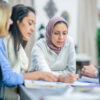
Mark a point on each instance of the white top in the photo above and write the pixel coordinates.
(21, 64)
(45, 59)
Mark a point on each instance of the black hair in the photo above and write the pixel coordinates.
(18, 13)
(61, 22)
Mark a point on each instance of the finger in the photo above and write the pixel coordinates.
(71, 75)
(72, 80)
(86, 67)
(83, 69)
(77, 76)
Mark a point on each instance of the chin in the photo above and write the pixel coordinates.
(26, 39)
(59, 46)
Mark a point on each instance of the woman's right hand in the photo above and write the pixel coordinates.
(69, 78)
(47, 76)
(36, 75)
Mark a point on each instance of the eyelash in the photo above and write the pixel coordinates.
(58, 33)
(30, 23)
(64, 33)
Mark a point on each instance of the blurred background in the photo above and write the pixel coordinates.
(83, 17)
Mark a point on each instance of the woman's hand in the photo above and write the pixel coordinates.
(47, 76)
(69, 78)
(89, 71)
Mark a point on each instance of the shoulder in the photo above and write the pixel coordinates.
(40, 46)
(41, 43)
(2, 47)
(69, 39)
(1, 43)
(1, 40)
(7, 38)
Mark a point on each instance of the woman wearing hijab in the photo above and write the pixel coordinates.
(56, 52)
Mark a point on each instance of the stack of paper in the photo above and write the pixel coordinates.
(89, 80)
(40, 84)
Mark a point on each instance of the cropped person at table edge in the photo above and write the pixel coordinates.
(90, 71)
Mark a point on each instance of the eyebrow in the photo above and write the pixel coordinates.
(32, 20)
(58, 31)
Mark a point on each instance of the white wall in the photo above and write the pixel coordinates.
(71, 6)
(98, 4)
(6, 0)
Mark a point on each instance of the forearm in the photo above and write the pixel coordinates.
(38, 60)
(11, 79)
(32, 76)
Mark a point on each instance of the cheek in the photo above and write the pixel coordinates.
(23, 29)
(23, 32)
(65, 38)
(54, 38)
(22, 26)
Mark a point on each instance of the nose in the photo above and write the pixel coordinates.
(32, 29)
(61, 36)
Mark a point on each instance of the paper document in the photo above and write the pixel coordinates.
(89, 80)
(82, 84)
(40, 84)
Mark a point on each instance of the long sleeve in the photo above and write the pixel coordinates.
(38, 60)
(72, 58)
(9, 78)
(45, 59)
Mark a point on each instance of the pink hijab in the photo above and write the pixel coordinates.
(49, 30)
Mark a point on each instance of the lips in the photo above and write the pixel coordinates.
(59, 42)
(29, 34)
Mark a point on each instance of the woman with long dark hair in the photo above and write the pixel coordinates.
(20, 32)
(9, 76)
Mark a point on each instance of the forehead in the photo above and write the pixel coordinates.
(60, 25)
(30, 17)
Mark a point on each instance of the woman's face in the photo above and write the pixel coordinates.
(59, 34)
(26, 26)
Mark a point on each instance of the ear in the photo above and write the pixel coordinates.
(18, 22)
